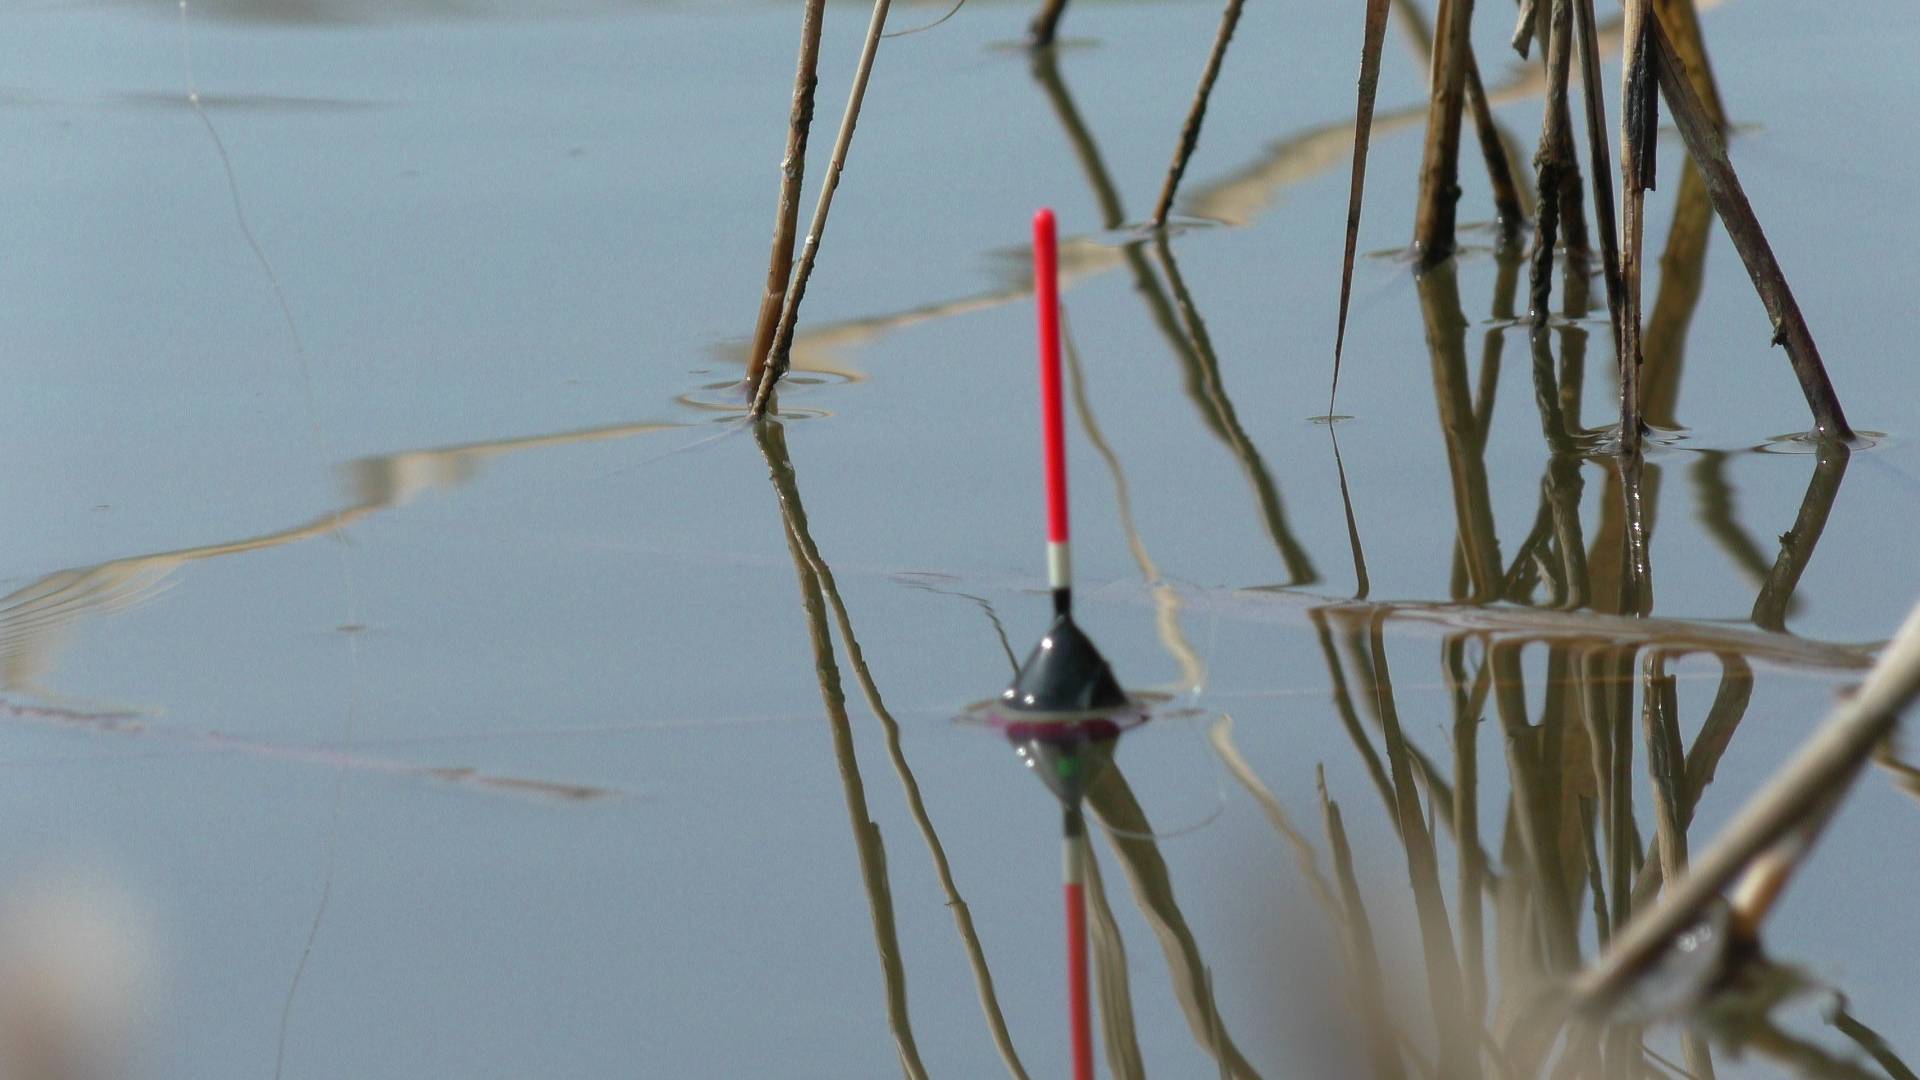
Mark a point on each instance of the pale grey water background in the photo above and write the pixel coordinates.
(500, 222)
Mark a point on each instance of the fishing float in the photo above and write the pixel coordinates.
(1064, 710)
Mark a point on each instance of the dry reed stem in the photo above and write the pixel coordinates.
(1045, 22)
(1509, 195)
(1814, 778)
(1371, 41)
(1709, 152)
(1524, 27)
(1496, 147)
(1639, 128)
(1552, 160)
(775, 364)
(1197, 112)
(1601, 169)
(1433, 227)
(793, 166)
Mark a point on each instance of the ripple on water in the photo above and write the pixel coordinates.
(1810, 442)
(732, 397)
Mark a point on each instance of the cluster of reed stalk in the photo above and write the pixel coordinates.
(1662, 53)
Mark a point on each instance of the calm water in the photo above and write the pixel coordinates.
(530, 770)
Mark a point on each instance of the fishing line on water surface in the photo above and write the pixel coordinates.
(727, 430)
(951, 12)
(349, 591)
(1195, 722)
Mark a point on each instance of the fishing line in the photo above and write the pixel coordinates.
(727, 430)
(1904, 476)
(1220, 792)
(951, 12)
(348, 589)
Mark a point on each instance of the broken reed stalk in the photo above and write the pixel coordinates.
(793, 167)
(1509, 198)
(1433, 233)
(1639, 127)
(1809, 783)
(1045, 21)
(775, 364)
(1197, 112)
(1601, 169)
(1371, 42)
(1552, 160)
(1526, 27)
(1709, 152)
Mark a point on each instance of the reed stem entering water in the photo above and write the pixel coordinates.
(1433, 232)
(793, 167)
(775, 364)
(1553, 158)
(1197, 112)
(1709, 152)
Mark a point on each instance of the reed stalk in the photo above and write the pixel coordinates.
(1509, 195)
(1197, 111)
(1600, 170)
(775, 363)
(793, 167)
(1046, 22)
(1639, 127)
(1553, 158)
(1433, 228)
(1709, 152)
(1372, 39)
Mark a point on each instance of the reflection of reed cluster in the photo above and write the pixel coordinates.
(1561, 946)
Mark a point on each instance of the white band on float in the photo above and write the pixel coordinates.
(1059, 565)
